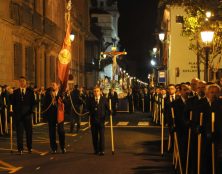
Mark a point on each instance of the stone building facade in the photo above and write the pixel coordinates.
(31, 36)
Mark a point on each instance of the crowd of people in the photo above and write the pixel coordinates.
(189, 110)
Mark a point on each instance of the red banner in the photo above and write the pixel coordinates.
(61, 111)
(65, 58)
(63, 69)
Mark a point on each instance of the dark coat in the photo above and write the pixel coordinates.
(98, 112)
(23, 108)
(207, 136)
(51, 113)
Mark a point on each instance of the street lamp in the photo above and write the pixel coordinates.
(154, 50)
(153, 62)
(161, 36)
(72, 37)
(208, 14)
(207, 37)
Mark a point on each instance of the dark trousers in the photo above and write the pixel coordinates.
(3, 119)
(21, 125)
(98, 137)
(52, 134)
(130, 106)
(113, 108)
(75, 120)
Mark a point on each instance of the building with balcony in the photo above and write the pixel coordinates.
(32, 32)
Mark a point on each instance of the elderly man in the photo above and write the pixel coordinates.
(193, 84)
(192, 105)
(208, 105)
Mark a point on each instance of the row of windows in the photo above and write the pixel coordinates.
(30, 63)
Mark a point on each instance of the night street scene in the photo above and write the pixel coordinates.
(111, 86)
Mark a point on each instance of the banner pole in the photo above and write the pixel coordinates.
(39, 116)
(213, 145)
(162, 128)
(176, 143)
(111, 127)
(1, 130)
(6, 116)
(188, 145)
(11, 129)
(199, 145)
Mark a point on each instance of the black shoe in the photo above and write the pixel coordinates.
(29, 150)
(101, 153)
(53, 152)
(63, 150)
(20, 152)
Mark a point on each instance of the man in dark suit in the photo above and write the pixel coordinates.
(210, 104)
(23, 104)
(77, 103)
(130, 100)
(180, 122)
(192, 105)
(170, 97)
(51, 103)
(146, 97)
(114, 100)
(99, 110)
(1, 111)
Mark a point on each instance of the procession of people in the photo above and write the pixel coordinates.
(190, 111)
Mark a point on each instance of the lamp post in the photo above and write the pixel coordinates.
(161, 38)
(153, 64)
(207, 38)
(72, 37)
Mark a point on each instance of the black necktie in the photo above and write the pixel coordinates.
(172, 98)
(97, 100)
(23, 92)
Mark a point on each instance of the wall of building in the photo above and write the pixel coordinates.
(180, 57)
(32, 33)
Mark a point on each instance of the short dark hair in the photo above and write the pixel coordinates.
(22, 77)
(171, 85)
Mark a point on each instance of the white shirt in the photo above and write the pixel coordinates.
(97, 99)
(209, 101)
(23, 89)
(183, 99)
(174, 97)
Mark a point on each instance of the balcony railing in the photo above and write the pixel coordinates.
(25, 16)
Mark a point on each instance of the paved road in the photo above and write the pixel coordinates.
(137, 151)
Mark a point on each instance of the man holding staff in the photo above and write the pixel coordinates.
(99, 110)
(211, 105)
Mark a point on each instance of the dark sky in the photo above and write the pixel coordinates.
(137, 24)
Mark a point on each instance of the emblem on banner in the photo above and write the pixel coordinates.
(64, 56)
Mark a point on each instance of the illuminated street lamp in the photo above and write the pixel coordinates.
(161, 36)
(208, 14)
(154, 50)
(207, 38)
(153, 62)
(72, 37)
